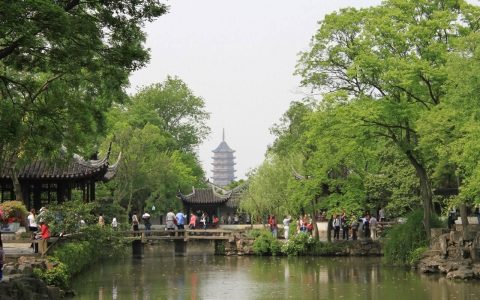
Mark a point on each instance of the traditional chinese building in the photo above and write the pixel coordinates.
(223, 164)
(213, 200)
(44, 182)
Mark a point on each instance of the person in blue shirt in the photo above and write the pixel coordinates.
(180, 220)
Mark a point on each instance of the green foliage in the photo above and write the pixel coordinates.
(402, 241)
(299, 244)
(157, 132)
(63, 65)
(66, 216)
(254, 233)
(69, 258)
(14, 211)
(266, 244)
(325, 248)
(416, 255)
(58, 275)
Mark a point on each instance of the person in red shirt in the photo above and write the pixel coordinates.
(45, 236)
(215, 221)
(193, 221)
(273, 225)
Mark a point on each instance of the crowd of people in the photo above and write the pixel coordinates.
(340, 226)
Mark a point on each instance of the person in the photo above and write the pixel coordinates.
(146, 221)
(44, 237)
(337, 223)
(114, 223)
(215, 221)
(286, 226)
(229, 219)
(180, 220)
(354, 226)
(345, 227)
(373, 228)
(135, 222)
(2, 257)
(381, 215)
(171, 220)
(235, 219)
(193, 221)
(273, 225)
(101, 220)
(203, 220)
(32, 224)
(366, 225)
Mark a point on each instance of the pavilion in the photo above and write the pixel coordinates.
(43, 182)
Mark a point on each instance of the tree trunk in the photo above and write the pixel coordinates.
(463, 216)
(425, 191)
(17, 187)
(316, 234)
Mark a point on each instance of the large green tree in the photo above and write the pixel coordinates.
(392, 59)
(157, 131)
(62, 64)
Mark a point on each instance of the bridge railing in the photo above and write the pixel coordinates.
(183, 234)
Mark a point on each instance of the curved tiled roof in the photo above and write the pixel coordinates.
(204, 196)
(77, 168)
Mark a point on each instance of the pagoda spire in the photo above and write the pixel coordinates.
(223, 135)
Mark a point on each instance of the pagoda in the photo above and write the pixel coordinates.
(223, 164)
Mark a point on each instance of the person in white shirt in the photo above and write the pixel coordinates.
(286, 226)
(32, 224)
(373, 228)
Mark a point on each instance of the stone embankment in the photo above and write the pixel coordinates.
(244, 246)
(20, 284)
(453, 254)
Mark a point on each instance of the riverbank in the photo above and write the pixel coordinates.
(453, 254)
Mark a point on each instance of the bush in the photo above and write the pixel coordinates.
(403, 240)
(58, 276)
(299, 244)
(13, 211)
(266, 244)
(417, 254)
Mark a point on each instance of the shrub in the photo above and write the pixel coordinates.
(417, 254)
(404, 239)
(299, 244)
(266, 244)
(13, 211)
(57, 276)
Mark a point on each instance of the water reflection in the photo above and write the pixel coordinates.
(213, 277)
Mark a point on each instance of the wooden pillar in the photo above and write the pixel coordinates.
(92, 190)
(83, 192)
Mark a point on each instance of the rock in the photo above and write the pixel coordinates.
(463, 273)
(25, 269)
(55, 293)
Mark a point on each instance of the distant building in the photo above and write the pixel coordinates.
(223, 164)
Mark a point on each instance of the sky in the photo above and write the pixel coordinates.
(239, 56)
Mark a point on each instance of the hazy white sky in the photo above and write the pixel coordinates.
(240, 57)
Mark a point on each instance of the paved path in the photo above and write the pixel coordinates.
(13, 250)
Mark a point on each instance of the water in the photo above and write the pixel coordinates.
(157, 276)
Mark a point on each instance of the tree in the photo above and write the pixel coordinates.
(391, 59)
(157, 141)
(63, 63)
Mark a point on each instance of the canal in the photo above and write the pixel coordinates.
(158, 276)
